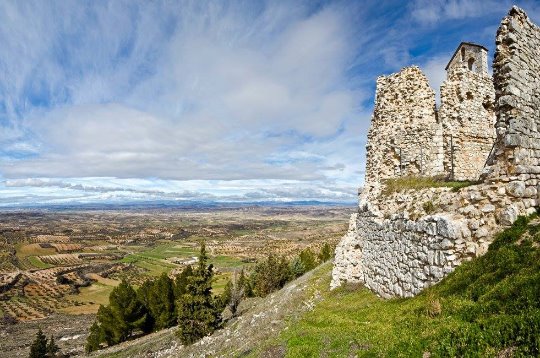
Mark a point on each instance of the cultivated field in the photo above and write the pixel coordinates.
(59, 263)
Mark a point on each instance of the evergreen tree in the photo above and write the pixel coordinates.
(326, 253)
(225, 297)
(117, 321)
(181, 281)
(94, 338)
(308, 259)
(161, 302)
(52, 348)
(38, 349)
(297, 267)
(198, 312)
(245, 283)
(110, 333)
(270, 275)
(143, 294)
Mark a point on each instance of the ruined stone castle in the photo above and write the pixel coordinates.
(410, 137)
(487, 130)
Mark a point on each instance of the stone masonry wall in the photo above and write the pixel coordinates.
(468, 116)
(476, 53)
(404, 128)
(397, 245)
(516, 160)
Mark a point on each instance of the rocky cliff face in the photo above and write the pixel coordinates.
(396, 248)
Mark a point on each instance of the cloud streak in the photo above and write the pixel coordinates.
(121, 100)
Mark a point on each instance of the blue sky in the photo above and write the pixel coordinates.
(113, 101)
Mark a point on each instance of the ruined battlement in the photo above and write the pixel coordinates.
(404, 128)
(410, 137)
(397, 245)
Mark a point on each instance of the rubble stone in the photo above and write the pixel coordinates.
(392, 246)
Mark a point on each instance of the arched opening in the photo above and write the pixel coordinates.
(462, 54)
(470, 64)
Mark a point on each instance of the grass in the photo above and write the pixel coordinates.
(37, 263)
(153, 259)
(487, 306)
(27, 255)
(409, 182)
(92, 296)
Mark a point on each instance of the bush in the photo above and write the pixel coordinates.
(326, 253)
(270, 275)
(428, 207)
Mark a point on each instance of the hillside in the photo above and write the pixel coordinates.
(488, 306)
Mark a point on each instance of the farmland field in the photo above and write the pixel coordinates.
(56, 264)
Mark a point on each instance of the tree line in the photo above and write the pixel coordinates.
(188, 300)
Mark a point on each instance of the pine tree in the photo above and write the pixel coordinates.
(270, 275)
(161, 302)
(326, 253)
(198, 311)
(297, 267)
(52, 348)
(94, 339)
(144, 294)
(38, 349)
(308, 259)
(124, 314)
(181, 281)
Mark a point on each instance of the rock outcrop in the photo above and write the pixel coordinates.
(401, 243)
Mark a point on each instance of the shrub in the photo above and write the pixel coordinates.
(233, 294)
(307, 257)
(428, 207)
(326, 253)
(270, 275)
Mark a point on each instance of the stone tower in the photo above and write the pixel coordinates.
(469, 56)
(404, 132)
(467, 113)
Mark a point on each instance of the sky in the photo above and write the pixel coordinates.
(126, 101)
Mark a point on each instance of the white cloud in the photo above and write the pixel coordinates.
(432, 11)
(434, 70)
(213, 92)
(51, 191)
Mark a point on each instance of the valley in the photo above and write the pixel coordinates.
(57, 264)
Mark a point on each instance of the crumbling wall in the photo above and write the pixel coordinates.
(516, 160)
(468, 116)
(397, 245)
(403, 128)
(399, 256)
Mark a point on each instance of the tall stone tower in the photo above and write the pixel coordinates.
(467, 112)
(404, 132)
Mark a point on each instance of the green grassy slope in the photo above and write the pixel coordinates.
(488, 306)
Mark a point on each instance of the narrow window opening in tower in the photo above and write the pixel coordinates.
(470, 64)
(462, 54)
